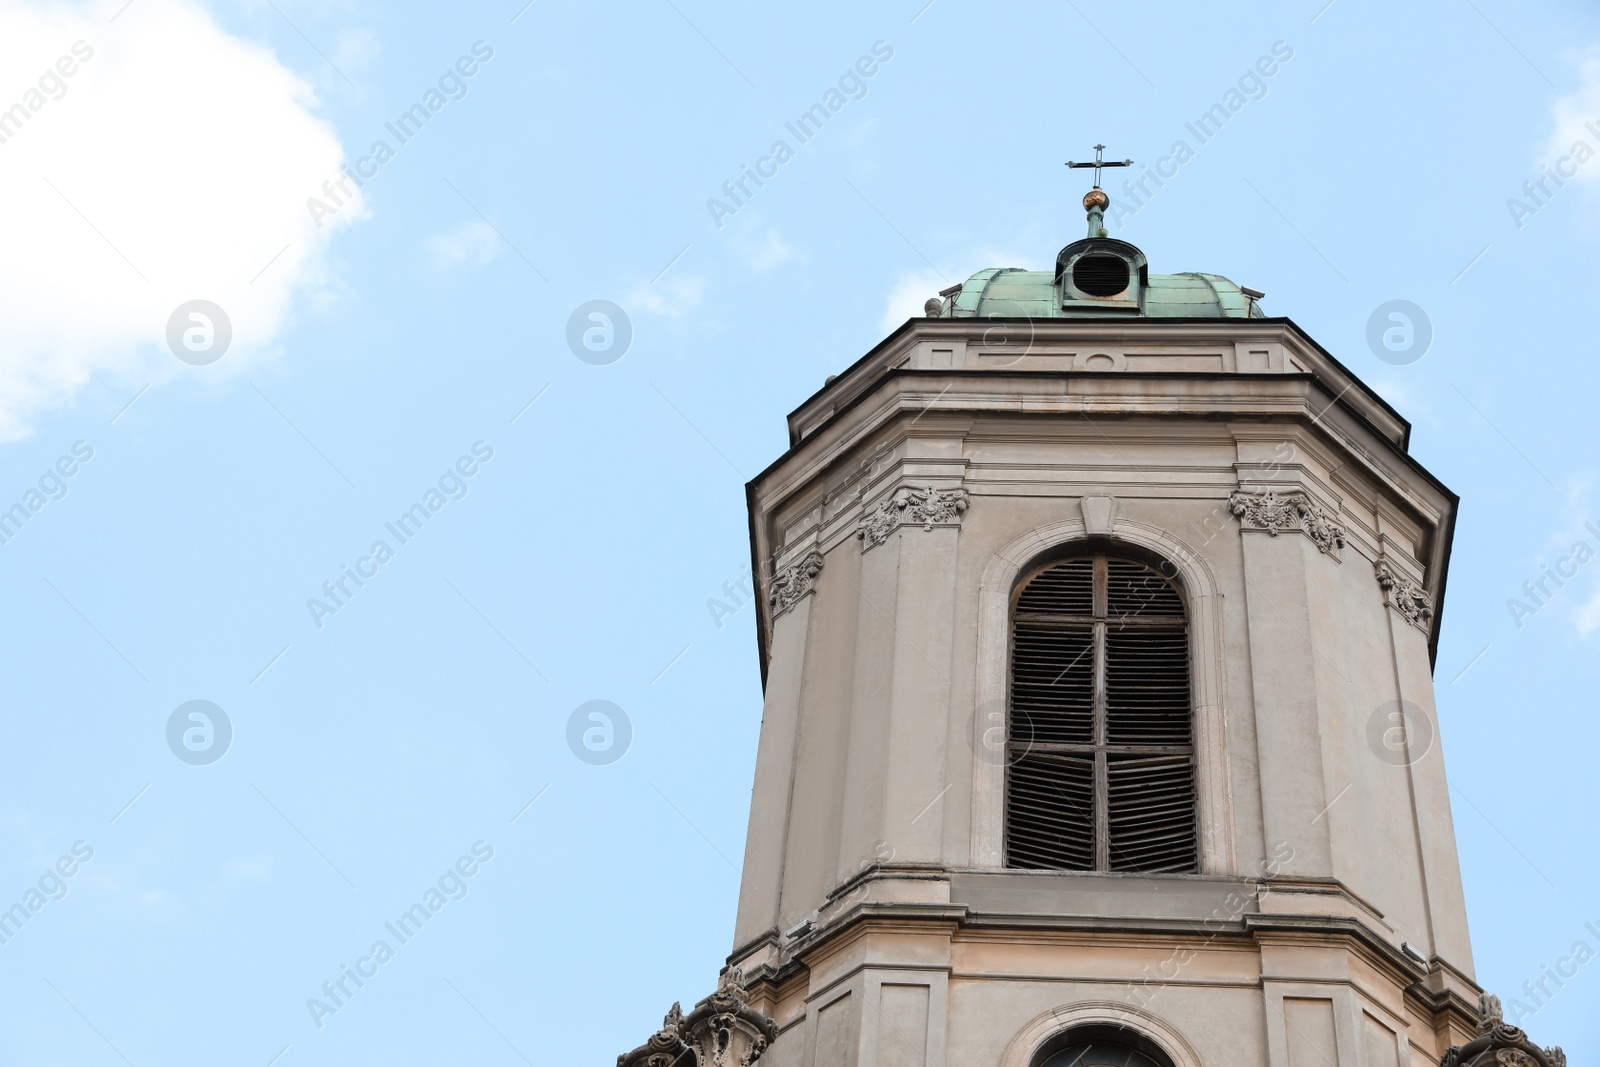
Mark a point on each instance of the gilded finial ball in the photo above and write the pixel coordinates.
(1095, 198)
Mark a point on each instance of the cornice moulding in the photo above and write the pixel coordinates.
(1301, 357)
(890, 412)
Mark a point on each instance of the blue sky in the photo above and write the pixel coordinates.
(422, 321)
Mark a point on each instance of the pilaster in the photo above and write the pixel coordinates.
(1284, 669)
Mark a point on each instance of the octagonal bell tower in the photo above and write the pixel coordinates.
(1099, 617)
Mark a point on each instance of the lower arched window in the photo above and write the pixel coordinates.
(1102, 1054)
(1100, 739)
(1101, 1045)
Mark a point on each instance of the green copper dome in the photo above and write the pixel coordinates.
(1011, 292)
(1098, 277)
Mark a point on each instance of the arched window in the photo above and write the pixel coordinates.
(1101, 1045)
(1100, 742)
(1101, 1054)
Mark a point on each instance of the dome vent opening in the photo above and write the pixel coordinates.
(1101, 275)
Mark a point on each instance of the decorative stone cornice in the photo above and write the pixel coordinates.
(1262, 511)
(724, 1030)
(793, 582)
(1500, 1045)
(1320, 527)
(1292, 511)
(911, 506)
(665, 1046)
(1405, 596)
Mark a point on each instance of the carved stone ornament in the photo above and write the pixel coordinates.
(907, 506)
(1292, 511)
(1490, 1014)
(1262, 511)
(1500, 1045)
(665, 1047)
(793, 582)
(1320, 527)
(1409, 599)
(1513, 1057)
(724, 1030)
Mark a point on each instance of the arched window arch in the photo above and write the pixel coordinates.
(1101, 1046)
(1100, 738)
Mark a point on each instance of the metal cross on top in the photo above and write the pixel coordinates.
(1098, 163)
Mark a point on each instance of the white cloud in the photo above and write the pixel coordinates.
(173, 164)
(761, 252)
(238, 873)
(907, 297)
(1587, 617)
(1577, 116)
(914, 288)
(1570, 557)
(860, 132)
(1584, 519)
(355, 49)
(669, 297)
(472, 242)
(1005, 257)
(1404, 398)
(243, 871)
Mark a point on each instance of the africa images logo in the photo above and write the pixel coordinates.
(199, 332)
(199, 732)
(599, 732)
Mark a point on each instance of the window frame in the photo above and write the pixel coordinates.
(1099, 750)
(1193, 573)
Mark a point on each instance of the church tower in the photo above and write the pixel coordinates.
(1099, 618)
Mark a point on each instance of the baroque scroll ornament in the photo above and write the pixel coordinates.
(1499, 1044)
(1405, 596)
(1490, 1013)
(1320, 527)
(724, 1030)
(1262, 511)
(793, 582)
(908, 506)
(666, 1046)
(1514, 1057)
(1293, 511)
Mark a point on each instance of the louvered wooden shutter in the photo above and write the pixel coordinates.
(1100, 747)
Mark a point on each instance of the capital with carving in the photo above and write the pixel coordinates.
(1274, 513)
(793, 582)
(911, 506)
(724, 1030)
(1500, 1045)
(1405, 596)
(665, 1047)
